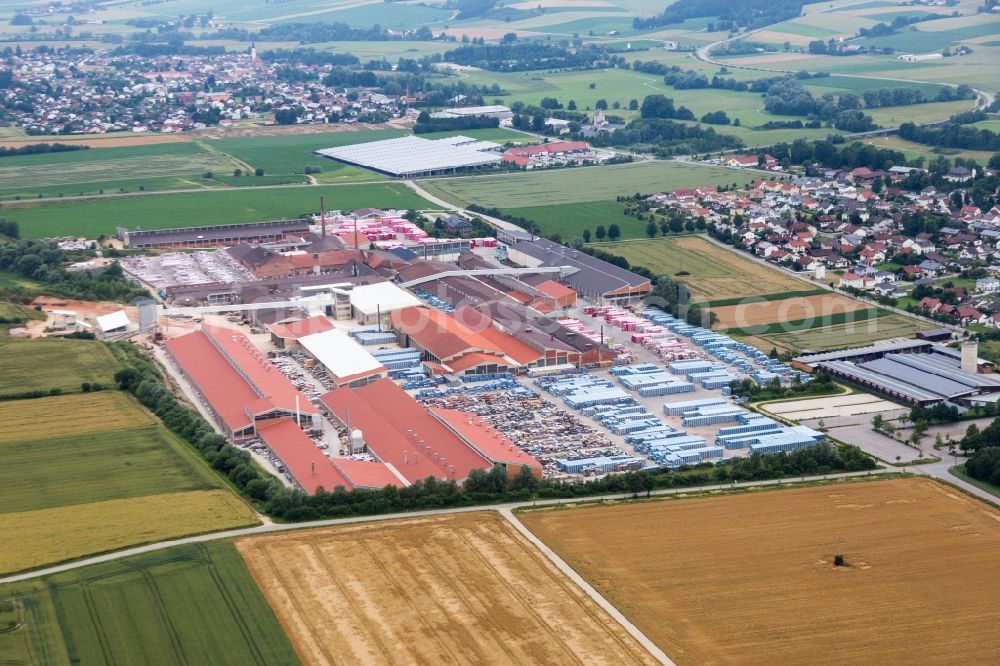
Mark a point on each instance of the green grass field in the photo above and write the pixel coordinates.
(844, 335)
(98, 466)
(927, 39)
(14, 313)
(41, 365)
(95, 472)
(192, 604)
(568, 186)
(164, 211)
(153, 167)
(569, 220)
(290, 153)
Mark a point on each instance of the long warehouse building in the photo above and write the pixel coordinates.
(411, 156)
(418, 442)
(920, 379)
(237, 383)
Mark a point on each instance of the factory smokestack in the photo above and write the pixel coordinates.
(322, 218)
(970, 355)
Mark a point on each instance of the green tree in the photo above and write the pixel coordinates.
(524, 480)
(651, 229)
(600, 232)
(586, 235)
(614, 233)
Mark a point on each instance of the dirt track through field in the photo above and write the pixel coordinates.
(749, 579)
(459, 589)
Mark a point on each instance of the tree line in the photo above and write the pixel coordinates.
(729, 14)
(39, 148)
(44, 262)
(837, 156)
(788, 98)
(984, 446)
(951, 135)
(523, 56)
(427, 124)
(665, 138)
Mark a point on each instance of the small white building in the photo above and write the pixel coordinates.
(113, 325)
(371, 301)
(348, 363)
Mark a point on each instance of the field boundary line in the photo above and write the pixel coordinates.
(590, 591)
(274, 528)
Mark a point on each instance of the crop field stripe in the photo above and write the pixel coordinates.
(820, 321)
(765, 297)
(189, 209)
(45, 364)
(87, 624)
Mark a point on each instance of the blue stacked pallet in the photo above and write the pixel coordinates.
(607, 396)
(635, 382)
(749, 423)
(718, 381)
(709, 416)
(684, 367)
(713, 371)
(601, 464)
(658, 431)
(485, 377)
(371, 328)
(763, 378)
(781, 442)
(666, 389)
(678, 408)
(676, 444)
(370, 339)
(627, 427)
(636, 369)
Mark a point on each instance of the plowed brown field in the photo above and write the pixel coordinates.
(458, 589)
(797, 308)
(749, 579)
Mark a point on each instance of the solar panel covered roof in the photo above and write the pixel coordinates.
(411, 155)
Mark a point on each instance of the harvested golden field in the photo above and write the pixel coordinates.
(797, 308)
(458, 589)
(749, 578)
(45, 536)
(70, 414)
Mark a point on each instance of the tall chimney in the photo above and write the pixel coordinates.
(322, 218)
(970, 355)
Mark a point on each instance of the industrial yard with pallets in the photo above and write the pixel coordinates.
(666, 402)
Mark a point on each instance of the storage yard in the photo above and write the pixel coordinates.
(451, 589)
(764, 590)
